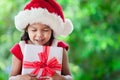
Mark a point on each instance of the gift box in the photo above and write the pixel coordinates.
(42, 60)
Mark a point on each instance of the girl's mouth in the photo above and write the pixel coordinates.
(39, 41)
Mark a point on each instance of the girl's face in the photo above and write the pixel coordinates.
(39, 34)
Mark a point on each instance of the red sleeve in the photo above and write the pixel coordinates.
(16, 51)
(63, 45)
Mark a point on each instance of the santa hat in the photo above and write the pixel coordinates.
(48, 12)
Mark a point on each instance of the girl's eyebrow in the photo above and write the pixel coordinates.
(46, 27)
(32, 27)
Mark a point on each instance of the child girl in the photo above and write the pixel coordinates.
(41, 21)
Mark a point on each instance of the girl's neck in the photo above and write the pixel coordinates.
(49, 43)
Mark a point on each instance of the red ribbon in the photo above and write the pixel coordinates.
(48, 67)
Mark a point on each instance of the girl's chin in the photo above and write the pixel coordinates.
(38, 43)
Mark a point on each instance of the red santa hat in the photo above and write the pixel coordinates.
(48, 12)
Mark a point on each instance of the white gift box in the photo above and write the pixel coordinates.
(31, 55)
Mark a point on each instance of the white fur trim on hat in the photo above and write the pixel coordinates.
(68, 27)
(40, 15)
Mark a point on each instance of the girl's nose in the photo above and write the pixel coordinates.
(39, 34)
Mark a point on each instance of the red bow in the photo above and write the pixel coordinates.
(49, 67)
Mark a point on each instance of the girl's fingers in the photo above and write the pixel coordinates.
(33, 78)
(45, 77)
(32, 75)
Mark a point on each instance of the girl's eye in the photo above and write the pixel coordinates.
(46, 30)
(33, 30)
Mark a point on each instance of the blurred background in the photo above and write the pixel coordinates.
(94, 44)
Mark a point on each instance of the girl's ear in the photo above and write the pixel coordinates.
(26, 30)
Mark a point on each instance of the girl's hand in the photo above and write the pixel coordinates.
(55, 77)
(26, 77)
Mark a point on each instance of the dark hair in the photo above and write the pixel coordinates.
(25, 36)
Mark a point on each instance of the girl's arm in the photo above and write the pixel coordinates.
(65, 67)
(16, 68)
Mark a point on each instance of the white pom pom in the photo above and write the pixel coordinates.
(68, 27)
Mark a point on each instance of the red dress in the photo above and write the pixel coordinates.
(16, 50)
